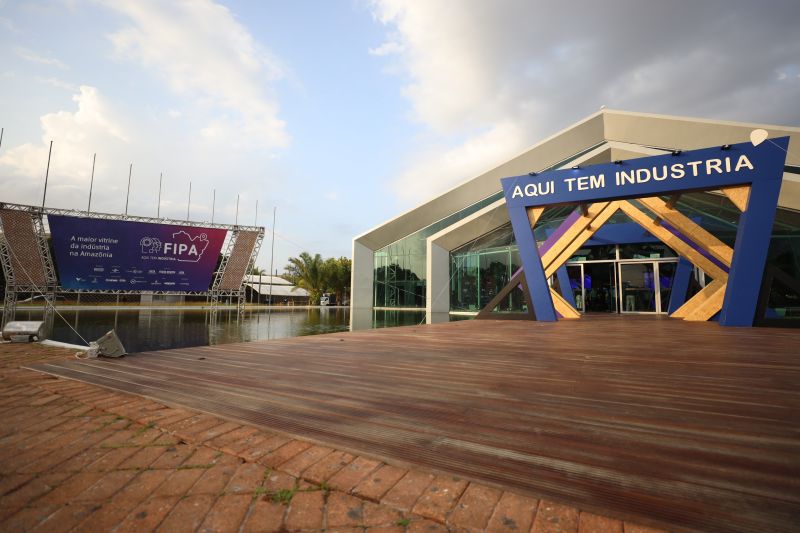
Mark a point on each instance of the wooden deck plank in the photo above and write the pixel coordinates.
(687, 423)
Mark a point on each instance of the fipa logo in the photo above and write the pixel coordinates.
(150, 245)
(185, 247)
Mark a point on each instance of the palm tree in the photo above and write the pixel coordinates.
(308, 273)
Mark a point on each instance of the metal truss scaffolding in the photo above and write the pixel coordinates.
(29, 269)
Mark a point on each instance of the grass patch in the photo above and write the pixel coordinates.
(284, 496)
(403, 522)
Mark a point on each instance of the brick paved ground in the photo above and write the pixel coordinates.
(79, 457)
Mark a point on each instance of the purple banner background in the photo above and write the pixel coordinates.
(97, 254)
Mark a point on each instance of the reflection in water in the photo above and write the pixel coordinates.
(159, 329)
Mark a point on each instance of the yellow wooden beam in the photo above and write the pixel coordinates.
(738, 195)
(690, 228)
(562, 306)
(533, 215)
(581, 224)
(696, 301)
(673, 241)
(574, 245)
(711, 306)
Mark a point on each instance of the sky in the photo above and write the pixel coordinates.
(342, 114)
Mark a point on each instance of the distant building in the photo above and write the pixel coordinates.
(259, 288)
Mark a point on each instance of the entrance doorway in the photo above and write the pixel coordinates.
(622, 286)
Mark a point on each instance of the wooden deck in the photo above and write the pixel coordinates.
(689, 424)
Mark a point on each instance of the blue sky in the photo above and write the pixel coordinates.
(343, 114)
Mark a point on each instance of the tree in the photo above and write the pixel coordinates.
(337, 277)
(308, 273)
(255, 271)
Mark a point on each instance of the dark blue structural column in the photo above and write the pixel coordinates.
(566, 286)
(539, 292)
(680, 285)
(750, 254)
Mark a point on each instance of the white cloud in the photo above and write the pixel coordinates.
(485, 79)
(34, 57)
(204, 53)
(76, 135)
(387, 48)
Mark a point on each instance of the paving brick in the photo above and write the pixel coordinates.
(265, 517)
(227, 514)
(345, 530)
(248, 440)
(223, 441)
(12, 482)
(140, 488)
(555, 518)
(304, 459)
(28, 518)
(440, 497)
(246, 479)
(174, 456)
(380, 515)
(183, 424)
(143, 458)
(201, 424)
(426, 526)
(106, 486)
(408, 490)
(111, 460)
(473, 510)
(264, 447)
(513, 513)
(214, 479)
(81, 461)
(351, 475)
(592, 523)
(179, 482)
(202, 456)
(188, 513)
(277, 481)
(284, 453)
(305, 511)
(636, 528)
(377, 484)
(328, 466)
(387, 529)
(216, 431)
(33, 489)
(66, 518)
(147, 515)
(343, 510)
(106, 518)
(145, 436)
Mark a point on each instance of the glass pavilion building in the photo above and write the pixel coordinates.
(452, 254)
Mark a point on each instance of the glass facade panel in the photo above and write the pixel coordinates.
(655, 250)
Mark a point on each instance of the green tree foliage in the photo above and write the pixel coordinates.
(317, 276)
(337, 277)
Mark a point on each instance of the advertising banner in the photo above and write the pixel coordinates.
(98, 254)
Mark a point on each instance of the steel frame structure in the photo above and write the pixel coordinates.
(14, 286)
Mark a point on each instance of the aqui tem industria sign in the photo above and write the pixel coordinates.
(707, 168)
(750, 172)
